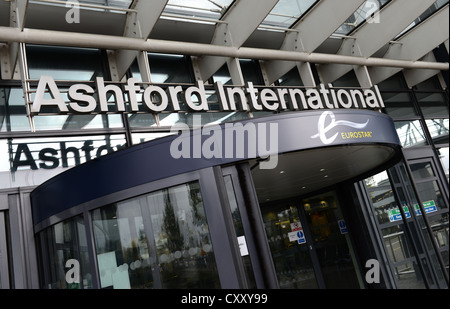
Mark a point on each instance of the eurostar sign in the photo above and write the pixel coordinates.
(154, 99)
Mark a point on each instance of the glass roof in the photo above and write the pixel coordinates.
(119, 4)
(207, 9)
(287, 12)
(430, 11)
(124, 4)
(366, 10)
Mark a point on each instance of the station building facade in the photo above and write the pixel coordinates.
(226, 144)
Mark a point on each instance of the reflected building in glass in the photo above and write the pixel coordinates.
(88, 180)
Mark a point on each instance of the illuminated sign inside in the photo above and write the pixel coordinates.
(84, 98)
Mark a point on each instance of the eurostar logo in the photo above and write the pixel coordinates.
(323, 129)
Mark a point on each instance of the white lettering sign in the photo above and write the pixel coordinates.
(108, 97)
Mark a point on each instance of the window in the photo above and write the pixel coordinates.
(181, 235)
(123, 254)
(159, 240)
(60, 243)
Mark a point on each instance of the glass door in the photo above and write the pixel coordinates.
(310, 244)
(330, 236)
(291, 249)
(432, 190)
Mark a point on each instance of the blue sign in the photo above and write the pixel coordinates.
(301, 237)
(342, 226)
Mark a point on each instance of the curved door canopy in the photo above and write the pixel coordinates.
(342, 143)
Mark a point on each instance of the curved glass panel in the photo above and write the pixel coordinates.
(123, 254)
(158, 240)
(181, 234)
(63, 243)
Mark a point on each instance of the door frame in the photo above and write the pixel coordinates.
(426, 154)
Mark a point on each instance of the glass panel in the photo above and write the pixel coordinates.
(13, 115)
(438, 129)
(444, 157)
(396, 81)
(430, 206)
(333, 247)
(290, 253)
(398, 104)
(251, 71)
(430, 11)
(197, 8)
(237, 221)
(287, 12)
(431, 195)
(410, 133)
(347, 80)
(439, 225)
(166, 68)
(183, 245)
(125, 4)
(291, 78)
(366, 10)
(84, 65)
(223, 75)
(123, 255)
(400, 253)
(397, 244)
(63, 242)
(431, 83)
(422, 170)
(433, 104)
(139, 138)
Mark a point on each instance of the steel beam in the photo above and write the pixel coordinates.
(139, 24)
(240, 21)
(416, 43)
(62, 38)
(311, 31)
(376, 33)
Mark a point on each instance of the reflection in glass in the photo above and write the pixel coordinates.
(444, 158)
(439, 225)
(397, 244)
(332, 242)
(430, 11)
(166, 68)
(398, 104)
(181, 236)
(292, 259)
(287, 12)
(123, 255)
(402, 258)
(85, 64)
(410, 133)
(433, 104)
(60, 243)
(365, 11)
(197, 8)
(438, 129)
(13, 115)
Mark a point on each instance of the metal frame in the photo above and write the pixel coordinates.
(61, 38)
